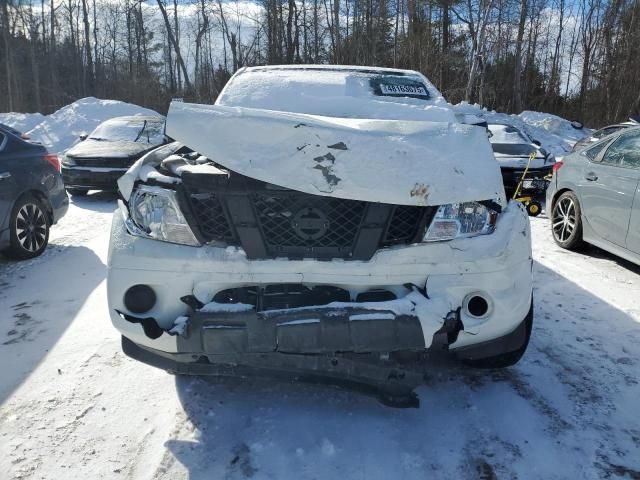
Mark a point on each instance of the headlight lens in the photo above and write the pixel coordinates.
(156, 214)
(459, 220)
(69, 161)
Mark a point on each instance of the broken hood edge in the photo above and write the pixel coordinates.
(387, 161)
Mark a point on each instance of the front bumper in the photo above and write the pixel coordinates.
(93, 178)
(497, 266)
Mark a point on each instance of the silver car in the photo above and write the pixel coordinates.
(594, 196)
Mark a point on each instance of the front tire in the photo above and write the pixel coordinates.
(566, 221)
(29, 228)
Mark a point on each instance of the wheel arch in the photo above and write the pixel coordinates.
(40, 196)
(557, 194)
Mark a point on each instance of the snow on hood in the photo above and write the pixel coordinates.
(90, 148)
(403, 162)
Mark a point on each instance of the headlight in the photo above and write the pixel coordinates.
(68, 161)
(459, 220)
(155, 213)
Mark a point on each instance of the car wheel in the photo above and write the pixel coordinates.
(534, 208)
(566, 223)
(29, 228)
(77, 192)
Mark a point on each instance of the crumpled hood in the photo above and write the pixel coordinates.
(388, 161)
(105, 148)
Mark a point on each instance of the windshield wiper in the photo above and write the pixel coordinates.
(141, 130)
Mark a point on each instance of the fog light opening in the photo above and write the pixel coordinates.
(139, 298)
(477, 306)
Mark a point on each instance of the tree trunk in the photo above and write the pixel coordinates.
(517, 68)
(7, 53)
(87, 47)
(176, 47)
(444, 61)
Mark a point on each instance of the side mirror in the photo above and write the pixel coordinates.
(83, 136)
(537, 143)
(577, 125)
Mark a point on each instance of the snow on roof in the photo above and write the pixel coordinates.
(352, 68)
(555, 133)
(346, 92)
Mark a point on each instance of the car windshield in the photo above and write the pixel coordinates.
(130, 130)
(606, 131)
(344, 93)
(501, 134)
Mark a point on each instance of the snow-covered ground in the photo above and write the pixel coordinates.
(61, 129)
(73, 406)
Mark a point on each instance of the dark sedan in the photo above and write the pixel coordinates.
(32, 195)
(102, 157)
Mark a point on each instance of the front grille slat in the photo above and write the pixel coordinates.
(211, 218)
(104, 162)
(404, 224)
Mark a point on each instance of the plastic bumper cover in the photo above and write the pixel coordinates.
(498, 266)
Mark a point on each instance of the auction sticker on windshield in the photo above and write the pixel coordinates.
(390, 89)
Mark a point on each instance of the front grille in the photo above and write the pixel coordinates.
(211, 218)
(308, 221)
(284, 223)
(104, 162)
(404, 225)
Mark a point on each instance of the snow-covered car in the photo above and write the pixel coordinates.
(512, 148)
(594, 196)
(603, 132)
(99, 159)
(32, 195)
(319, 220)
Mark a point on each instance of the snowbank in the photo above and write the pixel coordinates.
(555, 133)
(21, 121)
(61, 129)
